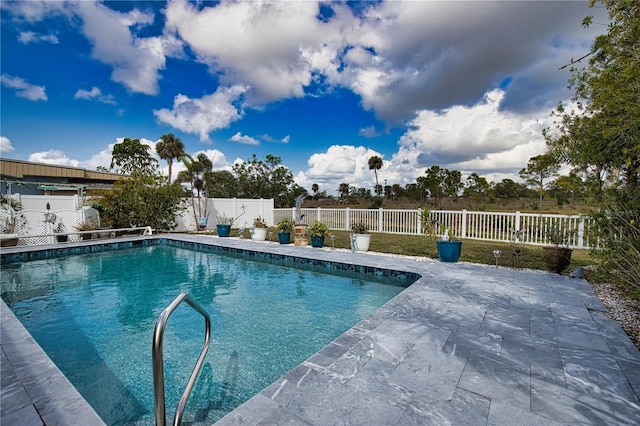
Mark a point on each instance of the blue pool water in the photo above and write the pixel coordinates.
(94, 315)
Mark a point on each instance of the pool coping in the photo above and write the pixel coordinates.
(452, 347)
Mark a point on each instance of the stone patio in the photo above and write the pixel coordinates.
(464, 345)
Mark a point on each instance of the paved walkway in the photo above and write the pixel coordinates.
(464, 345)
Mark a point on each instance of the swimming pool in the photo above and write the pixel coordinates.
(251, 346)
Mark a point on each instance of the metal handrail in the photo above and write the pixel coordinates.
(158, 365)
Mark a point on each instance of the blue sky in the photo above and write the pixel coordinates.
(323, 85)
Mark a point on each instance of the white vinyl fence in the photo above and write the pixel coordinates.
(528, 228)
(244, 210)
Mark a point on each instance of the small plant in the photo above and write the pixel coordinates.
(558, 234)
(13, 224)
(59, 227)
(224, 220)
(88, 225)
(259, 222)
(359, 228)
(318, 229)
(286, 225)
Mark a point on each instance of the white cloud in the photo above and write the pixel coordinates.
(340, 164)
(5, 145)
(204, 115)
(243, 139)
(24, 89)
(53, 156)
(136, 61)
(94, 94)
(369, 132)
(27, 37)
(275, 47)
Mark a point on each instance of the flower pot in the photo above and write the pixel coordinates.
(317, 241)
(223, 230)
(86, 236)
(284, 237)
(360, 242)
(202, 223)
(62, 238)
(9, 240)
(259, 234)
(556, 259)
(449, 251)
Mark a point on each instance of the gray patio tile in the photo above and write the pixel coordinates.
(283, 417)
(631, 370)
(374, 380)
(617, 340)
(462, 340)
(501, 414)
(498, 379)
(568, 406)
(526, 350)
(465, 408)
(26, 416)
(595, 374)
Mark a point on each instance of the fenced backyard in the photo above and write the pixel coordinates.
(525, 228)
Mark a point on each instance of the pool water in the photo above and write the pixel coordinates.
(94, 315)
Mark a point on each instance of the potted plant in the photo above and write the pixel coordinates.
(10, 227)
(360, 238)
(318, 231)
(259, 230)
(449, 247)
(285, 227)
(224, 223)
(557, 257)
(84, 227)
(60, 229)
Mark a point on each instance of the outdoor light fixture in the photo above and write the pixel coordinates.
(333, 241)
(496, 254)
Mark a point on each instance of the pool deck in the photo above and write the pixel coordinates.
(464, 345)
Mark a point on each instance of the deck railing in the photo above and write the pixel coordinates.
(527, 228)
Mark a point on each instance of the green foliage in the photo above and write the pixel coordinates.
(197, 174)
(375, 164)
(266, 179)
(601, 138)
(132, 157)
(170, 148)
(318, 229)
(259, 222)
(359, 228)
(538, 169)
(142, 201)
(286, 225)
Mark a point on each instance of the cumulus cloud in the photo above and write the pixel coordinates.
(24, 89)
(369, 132)
(243, 139)
(204, 115)
(136, 61)
(340, 164)
(275, 48)
(53, 156)
(94, 94)
(27, 37)
(5, 145)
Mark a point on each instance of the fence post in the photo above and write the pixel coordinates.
(318, 216)
(419, 216)
(463, 232)
(581, 232)
(293, 213)
(380, 213)
(347, 225)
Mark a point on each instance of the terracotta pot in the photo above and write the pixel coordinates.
(556, 259)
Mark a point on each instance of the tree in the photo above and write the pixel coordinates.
(266, 179)
(315, 188)
(170, 148)
(132, 157)
(343, 190)
(375, 164)
(142, 201)
(221, 184)
(601, 137)
(196, 174)
(477, 187)
(539, 168)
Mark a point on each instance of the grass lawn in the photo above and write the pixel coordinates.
(473, 251)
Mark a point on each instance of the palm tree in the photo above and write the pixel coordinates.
(170, 148)
(315, 188)
(375, 164)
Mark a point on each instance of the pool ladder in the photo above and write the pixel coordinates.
(158, 365)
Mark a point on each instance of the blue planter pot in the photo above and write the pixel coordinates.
(223, 230)
(284, 237)
(449, 251)
(317, 241)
